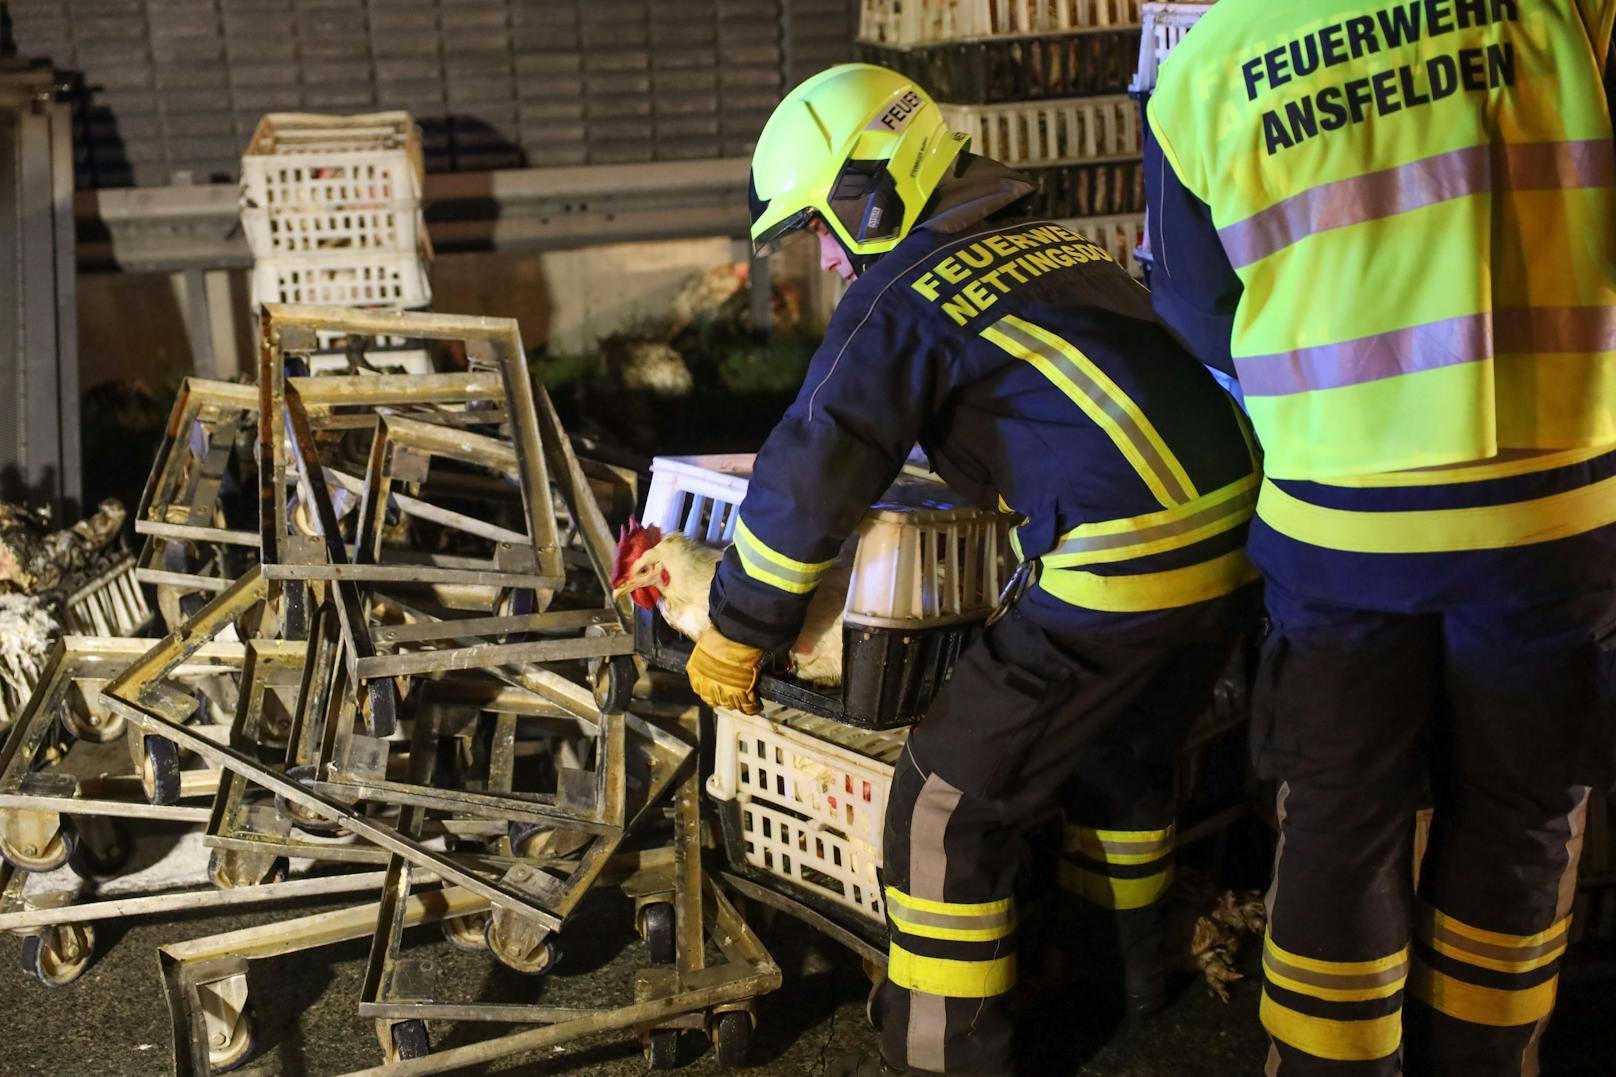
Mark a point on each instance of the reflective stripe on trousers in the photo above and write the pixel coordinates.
(1117, 869)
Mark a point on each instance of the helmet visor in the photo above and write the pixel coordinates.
(768, 241)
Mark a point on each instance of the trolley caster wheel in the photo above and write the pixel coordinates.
(57, 956)
(657, 926)
(407, 1040)
(97, 726)
(732, 1036)
(230, 870)
(662, 1049)
(160, 770)
(613, 681)
(467, 933)
(301, 817)
(535, 962)
(234, 1051)
(56, 852)
(103, 847)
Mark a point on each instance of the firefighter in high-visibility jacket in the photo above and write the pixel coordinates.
(1394, 223)
(1031, 369)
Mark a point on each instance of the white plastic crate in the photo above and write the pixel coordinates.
(1164, 26)
(811, 795)
(323, 183)
(1120, 235)
(917, 22)
(1058, 132)
(342, 280)
(112, 604)
(925, 557)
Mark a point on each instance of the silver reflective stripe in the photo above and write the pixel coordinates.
(1236, 508)
(1333, 980)
(928, 869)
(1103, 400)
(1470, 339)
(925, 918)
(762, 561)
(1452, 938)
(1533, 166)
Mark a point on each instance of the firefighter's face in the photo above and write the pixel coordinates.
(832, 258)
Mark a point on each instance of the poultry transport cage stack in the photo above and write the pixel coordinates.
(331, 206)
(1164, 26)
(927, 571)
(1038, 86)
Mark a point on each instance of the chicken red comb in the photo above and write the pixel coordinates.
(632, 541)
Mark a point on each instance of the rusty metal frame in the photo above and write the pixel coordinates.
(86, 662)
(395, 987)
(180, 498)
(144, 698)
(663, 998)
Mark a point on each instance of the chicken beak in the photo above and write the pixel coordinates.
(620, 590)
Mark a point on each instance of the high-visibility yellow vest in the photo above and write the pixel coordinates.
(1420, 198)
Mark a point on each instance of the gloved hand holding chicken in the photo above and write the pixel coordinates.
(674, 574)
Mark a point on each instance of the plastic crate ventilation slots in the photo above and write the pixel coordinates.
(1031, 133)
(331, 206)
(913, 22)
(806, 800)
(1164, 26)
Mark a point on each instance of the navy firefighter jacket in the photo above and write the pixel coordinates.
(1031, 369)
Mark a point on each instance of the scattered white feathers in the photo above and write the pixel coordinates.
(26, 632)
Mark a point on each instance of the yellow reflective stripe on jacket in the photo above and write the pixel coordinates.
(1335, 981)
(949, 977)
(769, 566)
(1127, 847)
(1108, 892)
(1102, 400)
(1149, 590)
(1509, 463)
(1323, 1037)
(1493, 950)
(1109, 541)
(1519, 523)
(1489, 1006)
(955, 922)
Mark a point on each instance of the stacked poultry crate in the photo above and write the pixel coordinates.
(393, 669)
(1038, 84)
(331, 206)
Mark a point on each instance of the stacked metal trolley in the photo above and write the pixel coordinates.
(392, 670)
(1038, 84)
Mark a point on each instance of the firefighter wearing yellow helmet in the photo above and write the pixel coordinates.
(824, 156)
(1030, 368)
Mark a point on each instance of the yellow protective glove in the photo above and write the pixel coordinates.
(725, 673)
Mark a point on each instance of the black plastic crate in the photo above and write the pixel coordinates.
(1016, 69)
(890, 675)
(1088, 190)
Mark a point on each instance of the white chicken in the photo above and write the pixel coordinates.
(673, 574)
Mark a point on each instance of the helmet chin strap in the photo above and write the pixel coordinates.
(859, 262)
